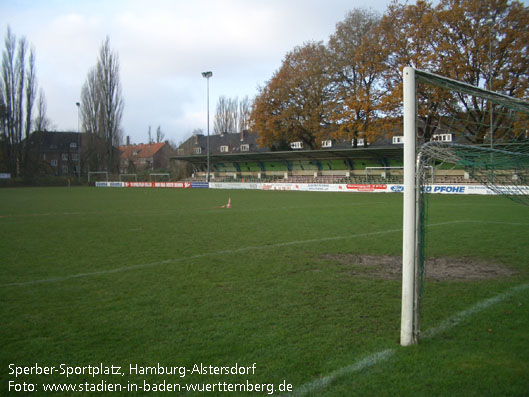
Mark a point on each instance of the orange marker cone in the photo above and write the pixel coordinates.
(227, 205)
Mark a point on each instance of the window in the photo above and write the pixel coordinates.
(442, 138)
(75, 156)
(198, 150)
(64, 169)
(53, 163)
(398, 139)
(245, 147)
(73, 145)
(224, 149)
(296, 145)
(64, 157)
(359, 142)
(53, 146)
(327, 143)
(181, 151)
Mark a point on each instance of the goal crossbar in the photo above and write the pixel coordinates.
(464, 88)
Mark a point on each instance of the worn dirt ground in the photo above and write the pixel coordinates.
(444, 268)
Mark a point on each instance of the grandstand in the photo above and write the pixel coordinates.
(377, 164)
(238, 158)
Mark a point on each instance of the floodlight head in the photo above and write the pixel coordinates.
(207, 75)
(77, 104)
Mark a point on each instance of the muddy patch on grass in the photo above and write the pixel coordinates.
(390, 267)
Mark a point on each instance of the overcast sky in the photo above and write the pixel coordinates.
(163, 46)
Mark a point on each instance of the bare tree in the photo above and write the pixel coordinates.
(102, 105)
(111, 97)
(244, 114)
(41, 121)
(233, 105)
(222, 122)
(226, 116)
(31, 87)
(17, 93)
(9, 99)
(159, 134)
(91, 104)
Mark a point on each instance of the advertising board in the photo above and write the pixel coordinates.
(320, 187)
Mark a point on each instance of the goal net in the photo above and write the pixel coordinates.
(484, 141)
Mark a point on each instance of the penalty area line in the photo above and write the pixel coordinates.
(191, 257)
(206, 254)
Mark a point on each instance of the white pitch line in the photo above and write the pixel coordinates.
(215, 253)
(384, 355)
(454, 320)
(366, 362)
(223, 252)
(498, 223)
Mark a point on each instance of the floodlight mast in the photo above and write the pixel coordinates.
(207, 75)
(78, 104)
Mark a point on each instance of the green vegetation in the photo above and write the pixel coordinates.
(148, 276)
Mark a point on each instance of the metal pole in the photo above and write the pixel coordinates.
(207, 75)
(207, 142)
(78, 143)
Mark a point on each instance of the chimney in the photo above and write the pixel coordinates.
(243, 134)
(128, 140)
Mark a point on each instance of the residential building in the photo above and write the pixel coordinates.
(145, 157)
(54, 153)
(242, 142)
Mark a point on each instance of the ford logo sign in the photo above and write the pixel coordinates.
(397, 188)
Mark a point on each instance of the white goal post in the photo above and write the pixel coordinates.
(128, 175)
(492, 166)
(161, 174)
(105, 173)
(408, 335)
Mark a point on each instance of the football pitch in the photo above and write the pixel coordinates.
(109, 291)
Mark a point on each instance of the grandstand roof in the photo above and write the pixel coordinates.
(378, 152)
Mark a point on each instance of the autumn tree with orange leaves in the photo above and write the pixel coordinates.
(356, 64)
(473, 41)
(293, 106)
(352, 87)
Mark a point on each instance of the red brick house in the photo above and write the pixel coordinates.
(145, 157)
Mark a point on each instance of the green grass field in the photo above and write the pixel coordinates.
(94, 277)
